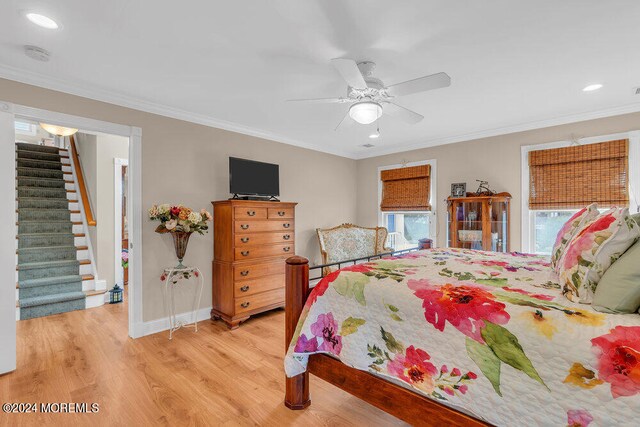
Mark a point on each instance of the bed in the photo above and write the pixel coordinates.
(461, 337)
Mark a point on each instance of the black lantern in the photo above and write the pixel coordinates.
(115, 294)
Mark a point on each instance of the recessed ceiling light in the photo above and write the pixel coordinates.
(375, 135)
(42, 21)
(592, 87)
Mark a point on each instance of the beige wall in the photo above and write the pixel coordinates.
(496, 159)
(188, 163)
(108, 148)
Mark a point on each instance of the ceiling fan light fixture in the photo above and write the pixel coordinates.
(592, 87)
(58, 130)
(365, 112)
(42, 21)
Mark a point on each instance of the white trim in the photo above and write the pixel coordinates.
(522, 127)
(162, 324)
(634, 176)
(117, 229)
(433, 200)
(87, 91)
(79, 88)
(8, 258)
(135, 193)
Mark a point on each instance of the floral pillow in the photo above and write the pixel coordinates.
(569, 229)
(596, 245)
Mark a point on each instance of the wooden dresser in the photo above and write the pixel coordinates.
(251, 240)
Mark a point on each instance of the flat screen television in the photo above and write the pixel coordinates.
(248, 177)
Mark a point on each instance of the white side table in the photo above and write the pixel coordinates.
(171, 277)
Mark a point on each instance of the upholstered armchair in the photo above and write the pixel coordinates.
(348, 241)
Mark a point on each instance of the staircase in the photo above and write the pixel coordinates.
(54, 270)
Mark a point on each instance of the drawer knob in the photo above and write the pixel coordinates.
(281, 213)
(244, 253)
(244, 239)
(245, 288)
(286, 249)
(286, 237)
(286, 225)
(244, 273)
(251, 213)
(244, 226)
(245, 304)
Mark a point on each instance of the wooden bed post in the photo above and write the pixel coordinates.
(297, 289)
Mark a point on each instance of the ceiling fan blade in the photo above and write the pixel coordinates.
(345, 122)
(318, 100)
(404, 114)
(434, 81)
(349, 71)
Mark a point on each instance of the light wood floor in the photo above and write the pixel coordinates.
(212, 377)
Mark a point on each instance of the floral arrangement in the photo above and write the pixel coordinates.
(125, 258)
(178, 218)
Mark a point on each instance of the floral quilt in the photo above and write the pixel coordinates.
(486, 333)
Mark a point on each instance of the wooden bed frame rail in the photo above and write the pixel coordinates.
(390, 397)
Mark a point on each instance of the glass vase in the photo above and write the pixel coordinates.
(180, 242)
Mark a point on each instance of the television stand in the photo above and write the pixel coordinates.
(260, 198)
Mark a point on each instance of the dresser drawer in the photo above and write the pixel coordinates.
(250, 213)
(258, 301)
(242, 240)
(249, 287)
(262, 251)
(255, 271)
(250, 226)
(275, 213)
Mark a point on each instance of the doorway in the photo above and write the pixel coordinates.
(8, 115)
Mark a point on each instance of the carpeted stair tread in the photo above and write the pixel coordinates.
(47, 264)
(27, 172)
(34, 214)
(36, 181)
(42, 192)
(37, 155)
(44, 281)
(38, 164)
(37, 147)
(51, 299)
(47, 253)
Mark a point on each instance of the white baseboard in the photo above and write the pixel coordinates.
(159, 325)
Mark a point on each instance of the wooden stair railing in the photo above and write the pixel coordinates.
(91, 221)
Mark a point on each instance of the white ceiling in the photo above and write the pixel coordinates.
(514, 65)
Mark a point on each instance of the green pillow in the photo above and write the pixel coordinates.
(619, 289)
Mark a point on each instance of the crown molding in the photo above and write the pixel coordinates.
(87, 91)
(79, 88)
(522, 127)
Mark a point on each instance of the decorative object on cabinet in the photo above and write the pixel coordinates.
(483, 189)
(459, 189)
(480, 222)
(180, 221)
(250, 243)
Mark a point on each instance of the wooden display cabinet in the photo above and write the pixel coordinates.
(479, 222)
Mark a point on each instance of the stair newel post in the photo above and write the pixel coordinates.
(296, 292)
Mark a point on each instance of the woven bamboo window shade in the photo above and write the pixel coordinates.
(574, 177)
(406, 189)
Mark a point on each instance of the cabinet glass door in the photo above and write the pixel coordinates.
(499, 226)
(468, 224)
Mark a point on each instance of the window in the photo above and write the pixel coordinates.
(406, 228)
(561, 178)
(407, 198)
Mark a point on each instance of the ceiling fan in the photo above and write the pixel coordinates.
(370, 98)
